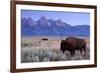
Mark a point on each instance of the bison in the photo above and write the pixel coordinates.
(72, 43)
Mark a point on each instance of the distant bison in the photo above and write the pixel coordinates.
(45, 39)
(72, 43)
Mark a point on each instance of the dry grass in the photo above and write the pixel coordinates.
(36, 50)
(41, 55)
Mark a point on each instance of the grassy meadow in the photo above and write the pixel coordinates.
(34, 49)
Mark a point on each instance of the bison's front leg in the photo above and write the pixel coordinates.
(62, 48)
(72, 52)
(63, 51)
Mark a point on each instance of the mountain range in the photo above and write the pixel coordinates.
(46, 27)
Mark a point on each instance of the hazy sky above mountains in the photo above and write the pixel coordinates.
(73, 18)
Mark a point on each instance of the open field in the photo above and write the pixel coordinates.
(34, 49)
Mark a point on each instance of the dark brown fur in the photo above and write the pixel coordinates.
(72, 43)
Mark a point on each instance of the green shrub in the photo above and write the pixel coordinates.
(41, 55)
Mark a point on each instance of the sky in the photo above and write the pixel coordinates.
(72, 18)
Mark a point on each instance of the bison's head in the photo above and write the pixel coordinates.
(62, 46)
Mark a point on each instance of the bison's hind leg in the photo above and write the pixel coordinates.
(81, 50)
(84, 50)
